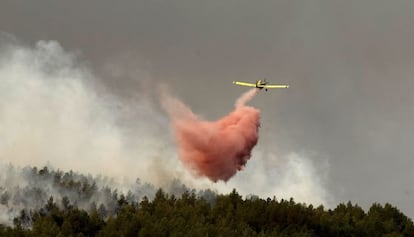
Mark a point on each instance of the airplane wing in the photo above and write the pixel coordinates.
(244, 83)
(275, 86)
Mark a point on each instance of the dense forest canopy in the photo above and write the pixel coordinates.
(54, 203)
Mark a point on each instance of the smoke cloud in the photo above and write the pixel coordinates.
(216, 149)
(55, 112)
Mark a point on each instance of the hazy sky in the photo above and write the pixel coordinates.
(350, 65)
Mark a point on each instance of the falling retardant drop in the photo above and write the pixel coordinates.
(214, 149)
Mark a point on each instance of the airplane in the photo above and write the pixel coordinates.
(260, 84)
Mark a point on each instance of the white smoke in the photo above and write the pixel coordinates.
(51, 113)
(283, 176)
(54, 111)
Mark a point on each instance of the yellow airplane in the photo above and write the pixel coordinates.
(261, 84)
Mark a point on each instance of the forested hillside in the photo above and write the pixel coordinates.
(185, 214)
(30, 188)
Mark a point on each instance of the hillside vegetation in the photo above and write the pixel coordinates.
(192, 214)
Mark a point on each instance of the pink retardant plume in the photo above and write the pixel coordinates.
(217, 149)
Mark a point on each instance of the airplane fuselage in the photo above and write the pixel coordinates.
(260, 84)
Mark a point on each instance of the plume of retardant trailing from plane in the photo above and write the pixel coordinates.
(214, 149)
